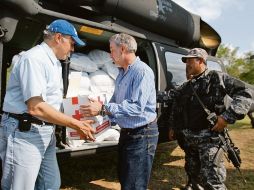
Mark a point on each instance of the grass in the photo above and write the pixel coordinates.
(98, 172)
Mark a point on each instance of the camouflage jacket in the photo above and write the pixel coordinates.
(212, 88)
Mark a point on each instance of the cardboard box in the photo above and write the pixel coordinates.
(71, 108)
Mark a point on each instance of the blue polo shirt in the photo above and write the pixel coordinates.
(37, 73)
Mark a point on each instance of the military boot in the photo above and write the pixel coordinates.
(187, 187)
(192, 186)
(197, 187)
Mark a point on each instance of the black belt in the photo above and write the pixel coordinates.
(28, 117)
(137, 128)
(126, 130)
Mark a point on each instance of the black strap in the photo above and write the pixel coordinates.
(208, 112)
(28, 117)
(65, 73)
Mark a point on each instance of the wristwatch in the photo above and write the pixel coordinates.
(103, 110)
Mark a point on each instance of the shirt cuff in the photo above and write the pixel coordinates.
(110, 108)
(228, 117)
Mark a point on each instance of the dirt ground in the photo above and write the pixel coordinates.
(99, 172)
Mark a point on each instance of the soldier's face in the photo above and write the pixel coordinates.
(193, 66)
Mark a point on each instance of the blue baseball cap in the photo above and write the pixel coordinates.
(64, 27)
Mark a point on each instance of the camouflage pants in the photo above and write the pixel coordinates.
(200, 150)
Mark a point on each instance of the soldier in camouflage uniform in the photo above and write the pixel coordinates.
(195, 136)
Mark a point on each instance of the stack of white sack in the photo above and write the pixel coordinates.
(92, 75)
(111, 69)
(81, 62)
(100, 57)
(101, 82)
(104, 62)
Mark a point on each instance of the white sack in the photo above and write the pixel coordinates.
(111, 69)
(99, 57)
(101, 82)
(109, 135)
(81, 62)
(74, 143)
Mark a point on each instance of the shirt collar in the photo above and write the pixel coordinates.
(49, 52)
(132, 65)
(201, 75)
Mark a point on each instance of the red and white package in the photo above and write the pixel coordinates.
(71, 108)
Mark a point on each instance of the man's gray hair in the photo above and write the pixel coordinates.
(126, 40)
(47, 35)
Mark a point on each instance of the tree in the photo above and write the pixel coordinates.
(241, 67)
(248, 73)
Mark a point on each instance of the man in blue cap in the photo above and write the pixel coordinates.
(32, 108)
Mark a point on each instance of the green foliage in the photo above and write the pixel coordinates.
(248, 74)
(241, 67)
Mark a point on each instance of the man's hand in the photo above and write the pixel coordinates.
(91, 109)
(38, 108)
(220, 125)
(85, 130)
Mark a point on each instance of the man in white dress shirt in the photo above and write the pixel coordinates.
(32, 108)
